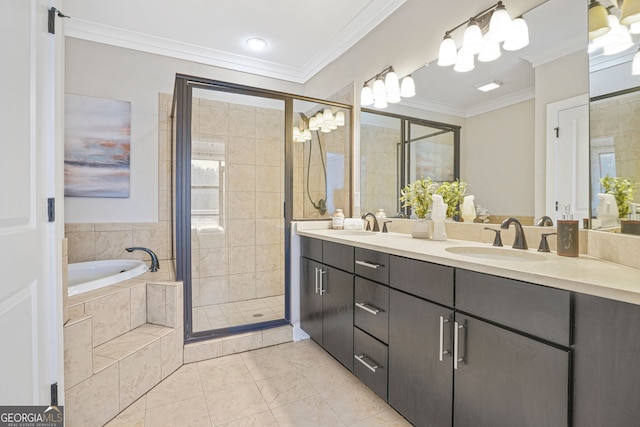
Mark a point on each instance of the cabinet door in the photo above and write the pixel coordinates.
(507, 379)
(420, 385)
(337, 309)
(606, 363)
(310, 299)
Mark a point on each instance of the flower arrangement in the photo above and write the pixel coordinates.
(453, 194)
(418, 196)
(622, 190)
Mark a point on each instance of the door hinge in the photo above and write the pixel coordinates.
(557, 129)
(52, 19)
(51, 209)
(54, 394)
(556, 206)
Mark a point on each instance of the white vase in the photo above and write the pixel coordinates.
(421, 228)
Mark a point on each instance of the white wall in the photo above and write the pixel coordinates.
(561, 79)
(99, 70)
(496, 159)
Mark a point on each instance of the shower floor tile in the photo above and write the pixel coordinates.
(238, 313)
(264, 387)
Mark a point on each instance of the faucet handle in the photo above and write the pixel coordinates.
(497, 241)
(544, 245)
(384, 226)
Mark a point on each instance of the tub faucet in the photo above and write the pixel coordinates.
(155, 265)
(375, 221)
(545, 221)
(520, 242)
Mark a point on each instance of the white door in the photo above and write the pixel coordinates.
(30, 307)
(568, 158)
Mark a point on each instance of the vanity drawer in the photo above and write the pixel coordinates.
(370, 362)
(311, 248)
(337, 255)
(372, 265)
(371, 311)
(423, 279)
(533, 309)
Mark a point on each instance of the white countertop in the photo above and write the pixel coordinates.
(582, 274)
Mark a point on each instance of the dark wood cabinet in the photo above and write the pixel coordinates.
(420, 376)
(326, 299)
(504, 379)
(606, 363)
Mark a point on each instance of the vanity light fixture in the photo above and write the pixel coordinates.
(598, 23)
(496, 25)
(630, 12)
(386, 89)
(256, 43)
(614, 36)
(324, 121)
(486, 87)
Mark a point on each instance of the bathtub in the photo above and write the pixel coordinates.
(87, 276)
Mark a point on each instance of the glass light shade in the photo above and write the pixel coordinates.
(464, 63)
(296, 134)
(490, 51)
(325, 129)
(327, 115)
(635, 65)
(408, 87)
(392, 84)
(621, 45)
(472, 39)
(610, 37)
(598, 22)
(394, 97)
(332, 126)
(500, 25)
(339, 118)
(366, 95)
(630, 12)
(519, 36)
(448, 52)
(306, 135)
(381, 101)
(634, 28)
(379, 90)
(313, 123)
(319, 119)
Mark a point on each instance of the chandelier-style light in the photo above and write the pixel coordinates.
(497, 27)
(323, 121)
(387, 89)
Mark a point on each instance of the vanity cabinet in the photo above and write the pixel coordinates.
(326, 296)
(607, 363)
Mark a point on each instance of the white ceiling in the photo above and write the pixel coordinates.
(304, 37)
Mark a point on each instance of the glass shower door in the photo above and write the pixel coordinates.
(236, 214)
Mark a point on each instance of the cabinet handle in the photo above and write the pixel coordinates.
(442, 351)
(456, 345)
(368, 264)
(316, 280)
(371, 366)
(368, 308)
(322, 290)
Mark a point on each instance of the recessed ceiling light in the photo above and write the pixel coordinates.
(256, 43)
(489, 86)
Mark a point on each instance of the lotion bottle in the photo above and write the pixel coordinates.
(438, 214)
(568, 235)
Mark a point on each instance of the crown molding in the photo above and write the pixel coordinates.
(558, 49)
(505, 101)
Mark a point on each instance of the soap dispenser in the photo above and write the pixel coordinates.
(568, 236)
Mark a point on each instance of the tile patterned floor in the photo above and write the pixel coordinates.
(293, 384)
(238, 313)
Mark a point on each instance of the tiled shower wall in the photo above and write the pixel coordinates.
(244, 258)
(379, 169)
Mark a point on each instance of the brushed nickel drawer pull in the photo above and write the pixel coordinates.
(368, 264)
(368, 308)
(371, 366)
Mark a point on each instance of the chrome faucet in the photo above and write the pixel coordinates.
(545, 221)
(520, 242)
(155, 265)
(375, 221)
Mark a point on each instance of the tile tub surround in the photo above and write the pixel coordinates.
(113, 353)
(584, 274)
(292, 384)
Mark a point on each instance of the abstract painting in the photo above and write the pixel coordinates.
(97, 147)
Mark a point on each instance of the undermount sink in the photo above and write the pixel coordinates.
(363, 233)
(496, 254)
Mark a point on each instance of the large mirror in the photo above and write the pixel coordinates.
(503, 133)
(614, 125)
